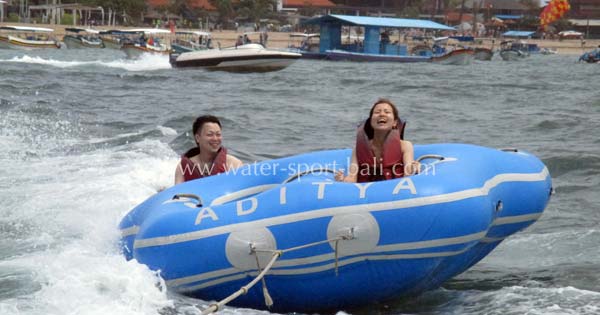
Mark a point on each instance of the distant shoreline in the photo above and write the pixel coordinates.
(282, 40)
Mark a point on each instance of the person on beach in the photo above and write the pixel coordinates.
(209, 157)
(380, 152)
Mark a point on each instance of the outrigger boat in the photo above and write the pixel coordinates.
(116, 38)
(512, 51)
(548, 51)
(305, 44)
(186, 41)
(459, 56)
(82, 38)
(148, 42)
(244, 58)
(377, 45)
(482, 53)
(448, 51)
(24, 37)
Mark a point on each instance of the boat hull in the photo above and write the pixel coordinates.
(340, 55)
(513, 55)
(343, 244)
(313, 55)
(11, 42)
(484, 54)
(75, 42)
(112, 43)
(135, 51)
(456, 57)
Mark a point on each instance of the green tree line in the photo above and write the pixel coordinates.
(226, 10)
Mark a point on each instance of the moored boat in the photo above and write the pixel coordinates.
(512, 55)
(548, 51)
(115, 39)
(186, 41)
(136, 50)
(27, 38)
(377, 44)
(244, 58)
(305, 44)
(449, 51)
(148, 42)
(510, 52)
(77, 38)
(482, 53)
(326, 245)
(460, 56)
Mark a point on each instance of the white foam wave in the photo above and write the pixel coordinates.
(166, 131)
(72, 205)
(78, 281)
(52, 62)
(526, 250)
(528, 300)
(146, 62)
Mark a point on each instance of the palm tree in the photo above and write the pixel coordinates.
(225, 9)
(131, 8)
(254, 10)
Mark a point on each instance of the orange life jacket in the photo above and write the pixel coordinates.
(390, 164)
(192, 171)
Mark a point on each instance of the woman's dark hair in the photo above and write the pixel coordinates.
(367, 126)
(200, 121)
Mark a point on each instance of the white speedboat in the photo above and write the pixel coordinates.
(243, 58)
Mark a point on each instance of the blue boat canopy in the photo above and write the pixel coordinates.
(379, 22)
(518, 34)
(509, 17)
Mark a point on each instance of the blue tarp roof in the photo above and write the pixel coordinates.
(508, 17)
(518, 34)
(379, 21)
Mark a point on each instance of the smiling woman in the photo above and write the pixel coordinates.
(209, 157)
(380, 151)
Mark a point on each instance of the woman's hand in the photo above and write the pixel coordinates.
(339, 176)
(412, 168)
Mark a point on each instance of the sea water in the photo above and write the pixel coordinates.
(85, 135)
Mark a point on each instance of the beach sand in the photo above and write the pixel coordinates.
(565, 47)
(282, 40)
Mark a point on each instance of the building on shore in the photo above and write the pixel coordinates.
(584, 9)
(585, 17)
